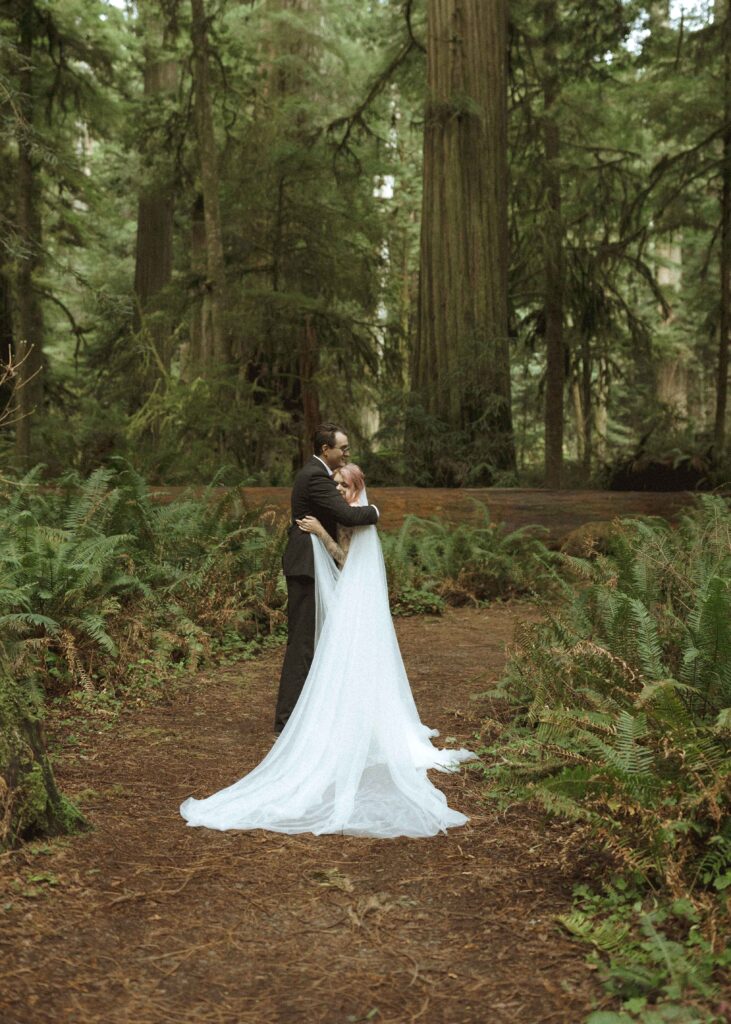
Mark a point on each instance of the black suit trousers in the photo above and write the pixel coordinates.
(300, 645)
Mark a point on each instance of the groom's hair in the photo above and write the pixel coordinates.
(325, 434)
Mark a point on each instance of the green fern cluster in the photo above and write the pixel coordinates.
(93, 575)
(103, 588)
(623, 700)
(463, 564)
(621, 724)
(655, 956)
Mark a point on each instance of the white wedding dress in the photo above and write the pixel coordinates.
(353, 756)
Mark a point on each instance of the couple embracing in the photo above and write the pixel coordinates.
(351, 753)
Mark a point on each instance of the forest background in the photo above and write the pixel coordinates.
(494, 240)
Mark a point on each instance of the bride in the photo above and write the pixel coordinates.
(353, 756)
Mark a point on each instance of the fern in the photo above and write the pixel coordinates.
(607, 935)
(625, 693)
(647, 644)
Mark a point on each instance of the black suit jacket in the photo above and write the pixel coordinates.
(315, 494)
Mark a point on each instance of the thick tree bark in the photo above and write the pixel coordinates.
(671, 372)
(156, 205)
(461, 367)
(586, 404)
(724, 332)
(553, 267)
(578, 419)
(672, 384)
(208, 162)
(29, 314)
(199, 353)
(308, 364)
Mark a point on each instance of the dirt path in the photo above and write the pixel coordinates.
(145, 920)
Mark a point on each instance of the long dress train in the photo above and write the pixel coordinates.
(353, 756)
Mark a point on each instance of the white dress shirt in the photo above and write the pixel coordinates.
(329, 471)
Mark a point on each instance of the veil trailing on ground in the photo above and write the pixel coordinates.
(353, 756)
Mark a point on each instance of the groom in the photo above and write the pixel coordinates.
(313, 494)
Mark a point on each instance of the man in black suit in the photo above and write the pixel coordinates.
(313, 494)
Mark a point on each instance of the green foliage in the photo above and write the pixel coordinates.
(318, 115)
(96, 572)
(110, 595)
(620, 705)
(657, 957)
(463, 564)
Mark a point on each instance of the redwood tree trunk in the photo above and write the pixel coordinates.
(308, 364)
(208, 163)
(461, 367)
(587, 408)
(725, 261)
(199, 355)
(552, 259)
(29, 314)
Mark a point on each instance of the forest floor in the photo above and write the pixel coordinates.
(144, 920)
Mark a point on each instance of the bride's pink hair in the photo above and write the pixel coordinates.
(353, 477)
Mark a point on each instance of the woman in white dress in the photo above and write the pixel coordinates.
(353, 756)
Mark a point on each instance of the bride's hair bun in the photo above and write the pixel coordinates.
(353, 476)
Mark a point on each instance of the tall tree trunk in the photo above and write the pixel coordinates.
(579, 420)
(724, 332)
(208, 163)
(553, 270)
(156, 205)
(461, 367)
(199, 352)
(308, 364)
(587, 408)
(671, 373)
(29, 314)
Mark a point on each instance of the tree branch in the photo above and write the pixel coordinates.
(356, 117)
(77, 330)
(407, 17)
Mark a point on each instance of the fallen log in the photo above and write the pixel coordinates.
(559, 511)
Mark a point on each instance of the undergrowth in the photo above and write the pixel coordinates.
(432, 563)
(619, 720)
(109, 596)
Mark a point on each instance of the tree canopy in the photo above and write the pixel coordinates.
(496, 263)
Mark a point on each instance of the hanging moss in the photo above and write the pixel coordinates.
(30, 803)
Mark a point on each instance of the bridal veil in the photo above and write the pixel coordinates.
(353, 756)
